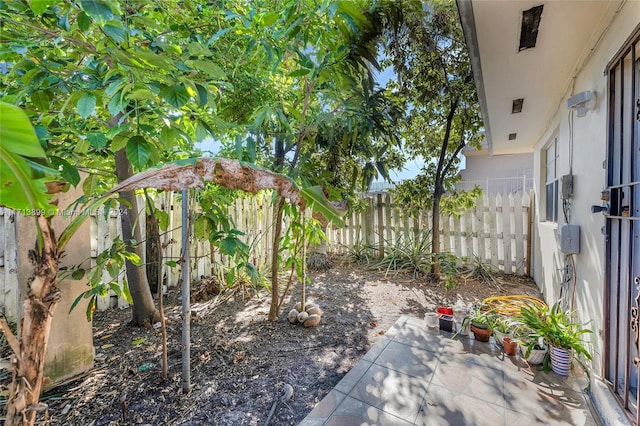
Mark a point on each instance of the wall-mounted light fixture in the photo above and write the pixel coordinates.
(582, 102)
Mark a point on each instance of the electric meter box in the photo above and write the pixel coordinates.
(569, 238)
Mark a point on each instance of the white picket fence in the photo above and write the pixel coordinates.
(496, 231)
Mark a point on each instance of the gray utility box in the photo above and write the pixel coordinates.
(569, 238)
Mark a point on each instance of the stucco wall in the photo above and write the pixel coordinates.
(589, 153)
(70, 348)
(480, 165)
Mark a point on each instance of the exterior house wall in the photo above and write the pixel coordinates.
(496, 173)
(589, 135)
(70, 346)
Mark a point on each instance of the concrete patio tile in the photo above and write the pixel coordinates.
(413, 321)
(391, 391)
(324, 409)
(541, 417)
(410, 360)
(353, 376)
(515, 364)
(307, 421)
(473, 352)
(538, 392)
(421, 337)
(446, 407)
(423, 377)
(483, 383)
(377, 349)
(357, 413)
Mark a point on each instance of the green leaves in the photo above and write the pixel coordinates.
(176, 96)
(18, 140)
(208, 68)
(86, 105)
(319, 203)
(98, 10)
(38, 7)
(105, 275)
(97, 140)
(138, 151)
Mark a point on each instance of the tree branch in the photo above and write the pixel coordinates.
(302, 131)
(445, 144)
(52, 33)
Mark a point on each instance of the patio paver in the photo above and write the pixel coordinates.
(419, 376)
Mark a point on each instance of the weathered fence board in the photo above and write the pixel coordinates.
(495, 232)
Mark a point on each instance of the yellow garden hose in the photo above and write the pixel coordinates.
(510, 305)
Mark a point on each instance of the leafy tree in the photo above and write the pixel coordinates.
(435, 79)
(115, 86)
(312, 58)
(351, 149)
(123, 86)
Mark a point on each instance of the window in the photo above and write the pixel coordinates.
(551, 181)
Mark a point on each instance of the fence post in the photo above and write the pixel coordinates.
(388, 219)
(381, 224)
(519, 233)
(186, 295)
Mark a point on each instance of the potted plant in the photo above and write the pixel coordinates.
(531, 345)
(563, 336)
(510, 346)
(502, 327)
(480, 325)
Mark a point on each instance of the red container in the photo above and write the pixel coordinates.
(443, 310)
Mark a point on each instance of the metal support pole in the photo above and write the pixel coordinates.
(186, 292)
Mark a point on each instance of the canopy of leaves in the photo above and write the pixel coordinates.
(435, 80)
(154, 78)
(21, 188)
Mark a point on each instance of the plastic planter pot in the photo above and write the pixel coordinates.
(536, 356)
(447, 324)
(560, 361)
(510, 347)
(431, 319)
(463, 327)
(481, 334)
(500, 336)
(445, 310)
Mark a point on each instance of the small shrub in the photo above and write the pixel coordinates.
(448, 268)
(482, 271)
(408, 254)
(360, 253)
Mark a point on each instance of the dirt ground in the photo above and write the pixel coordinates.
(240, 362)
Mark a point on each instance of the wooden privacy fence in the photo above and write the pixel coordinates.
(496, 232)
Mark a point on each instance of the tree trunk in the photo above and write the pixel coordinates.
(39, 304)
(153, 251)
(274, 310)
(143, 311)
(318, 260)
(435, 235)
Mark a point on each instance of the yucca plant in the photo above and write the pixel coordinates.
(410, 254)
(482, 271)
(360, 253)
